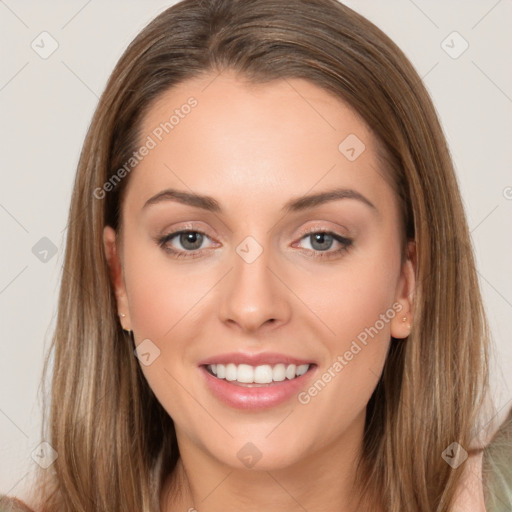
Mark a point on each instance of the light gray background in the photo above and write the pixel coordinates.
(46, 106)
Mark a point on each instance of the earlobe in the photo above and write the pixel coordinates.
(116, 275)
(402, 323)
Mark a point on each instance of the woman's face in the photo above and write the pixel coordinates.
(255, 288)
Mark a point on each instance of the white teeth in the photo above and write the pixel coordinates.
(220, 370)
(302, 369)
(231, 372)
(245, 373)
(290, 371)
(279, 372)
(263, 374)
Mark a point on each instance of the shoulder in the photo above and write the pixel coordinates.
(486, 484)
(470, 495)
(13, 505)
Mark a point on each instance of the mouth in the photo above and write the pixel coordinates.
(253, 388)
(263, 375)
(256, 381)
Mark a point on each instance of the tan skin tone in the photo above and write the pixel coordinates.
(253, 149)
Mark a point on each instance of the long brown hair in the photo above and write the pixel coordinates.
(115, 442)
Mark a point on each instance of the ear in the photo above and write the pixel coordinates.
(116, 275)
(402, 322)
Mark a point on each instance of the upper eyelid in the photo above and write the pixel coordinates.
(188, 226)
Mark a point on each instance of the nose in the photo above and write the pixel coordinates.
(253, 297)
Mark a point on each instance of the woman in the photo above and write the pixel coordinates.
(265, 210)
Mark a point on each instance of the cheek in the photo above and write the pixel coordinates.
(353, 298)
(159, 294)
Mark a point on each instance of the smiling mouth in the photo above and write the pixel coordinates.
(257, 376)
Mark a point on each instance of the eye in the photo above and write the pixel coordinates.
(320, 243)
(189, 244)
(188, 241)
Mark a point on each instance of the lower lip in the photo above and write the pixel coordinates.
(257, 397)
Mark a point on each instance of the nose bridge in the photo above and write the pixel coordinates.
(252, 295)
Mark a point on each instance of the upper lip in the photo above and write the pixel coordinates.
(261, 358)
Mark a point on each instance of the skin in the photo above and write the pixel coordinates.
(253, 148)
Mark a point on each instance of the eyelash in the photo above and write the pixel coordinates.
(346, 243)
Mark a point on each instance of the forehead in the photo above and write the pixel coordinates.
(219, 133)
(257, 111)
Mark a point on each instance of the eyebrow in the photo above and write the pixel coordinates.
(294, 205)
